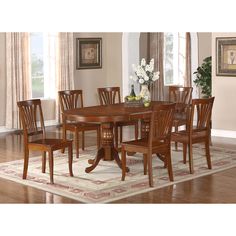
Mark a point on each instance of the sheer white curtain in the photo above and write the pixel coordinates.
(17, 75)
(65, 66)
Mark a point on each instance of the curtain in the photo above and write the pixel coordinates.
(65, 66)
(155, 44)
(188, 73)
(17, 75)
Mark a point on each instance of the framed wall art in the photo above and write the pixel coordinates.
(226, 56)
(88, 53)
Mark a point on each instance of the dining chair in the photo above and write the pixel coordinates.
(111, 95)
(198, 131)
(30, 112)
(182, 96)
(71, 99)
(158, 141)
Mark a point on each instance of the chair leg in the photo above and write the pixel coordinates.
(169, 166)
(208, 155)
(123, 162)
(70, 157)
(176, 144)
(150, 176)
(50, 155)
(116, 135)
(43, 162)
(77, 143)
(64, 137)
(190, 154)
(83, 140)
(121, 134)
(144, 164)
(184, 153)
(26, 162)
(136, 130)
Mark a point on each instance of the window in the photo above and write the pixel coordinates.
(43, 64)
(174, 58)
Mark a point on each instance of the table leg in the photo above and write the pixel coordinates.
(107, 152)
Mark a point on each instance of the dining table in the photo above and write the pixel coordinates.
(107, 116)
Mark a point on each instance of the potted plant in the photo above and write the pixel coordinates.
(203, 79)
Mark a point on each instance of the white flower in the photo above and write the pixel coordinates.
(141, 81)
(143, 62)
(144, 73)
(146, 78)
(151, 68)
(156, 76)
(147, 68)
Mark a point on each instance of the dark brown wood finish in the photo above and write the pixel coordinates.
(111, 95)
(29, 111)
(199, 133)
(71, 99)
(182, 96)
(108, 115)
(158, 141)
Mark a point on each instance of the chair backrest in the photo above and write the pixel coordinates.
(109, 95)
(180, 94)
(203, 109)
(70, 99)
(31, 117)
(161, 123)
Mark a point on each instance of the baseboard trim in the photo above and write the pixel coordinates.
(223, 133)
(3, 129)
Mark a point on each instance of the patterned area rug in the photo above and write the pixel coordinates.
(103, 184)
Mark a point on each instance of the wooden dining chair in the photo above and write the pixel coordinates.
(158, 141)
(71, 99)
(182, 96)
(111, 95)
(30, 110)
(200, 132)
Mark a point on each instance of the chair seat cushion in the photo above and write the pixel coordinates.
(49, 143)
(143, 143)
(182, 136)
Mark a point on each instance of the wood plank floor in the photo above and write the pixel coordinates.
(217, 188)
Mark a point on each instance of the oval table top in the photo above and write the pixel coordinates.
(110, 113)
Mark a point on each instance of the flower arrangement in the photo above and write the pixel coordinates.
(144, 73)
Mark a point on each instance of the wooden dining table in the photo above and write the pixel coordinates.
(107, 115)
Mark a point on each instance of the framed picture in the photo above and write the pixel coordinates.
(226, 56)
(88, 53)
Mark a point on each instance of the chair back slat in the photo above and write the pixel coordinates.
(179, 94)
(109, 95)
(31, 117)
(161, 123)
(70, 99)
(203, 108)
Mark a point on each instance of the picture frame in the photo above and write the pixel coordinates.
(88, 53)
(226, 56)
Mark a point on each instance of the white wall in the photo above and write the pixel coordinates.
(223, 88)
(109, 75)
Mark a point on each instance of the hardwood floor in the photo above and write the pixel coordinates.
(217, 188)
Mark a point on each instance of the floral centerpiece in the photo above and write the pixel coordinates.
(145, 76)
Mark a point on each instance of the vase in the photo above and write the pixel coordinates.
(145, 93)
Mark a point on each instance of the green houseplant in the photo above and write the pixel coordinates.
(203, 79)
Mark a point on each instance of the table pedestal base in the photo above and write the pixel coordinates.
(107, 151)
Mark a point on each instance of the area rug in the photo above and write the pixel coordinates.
(103, 184)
